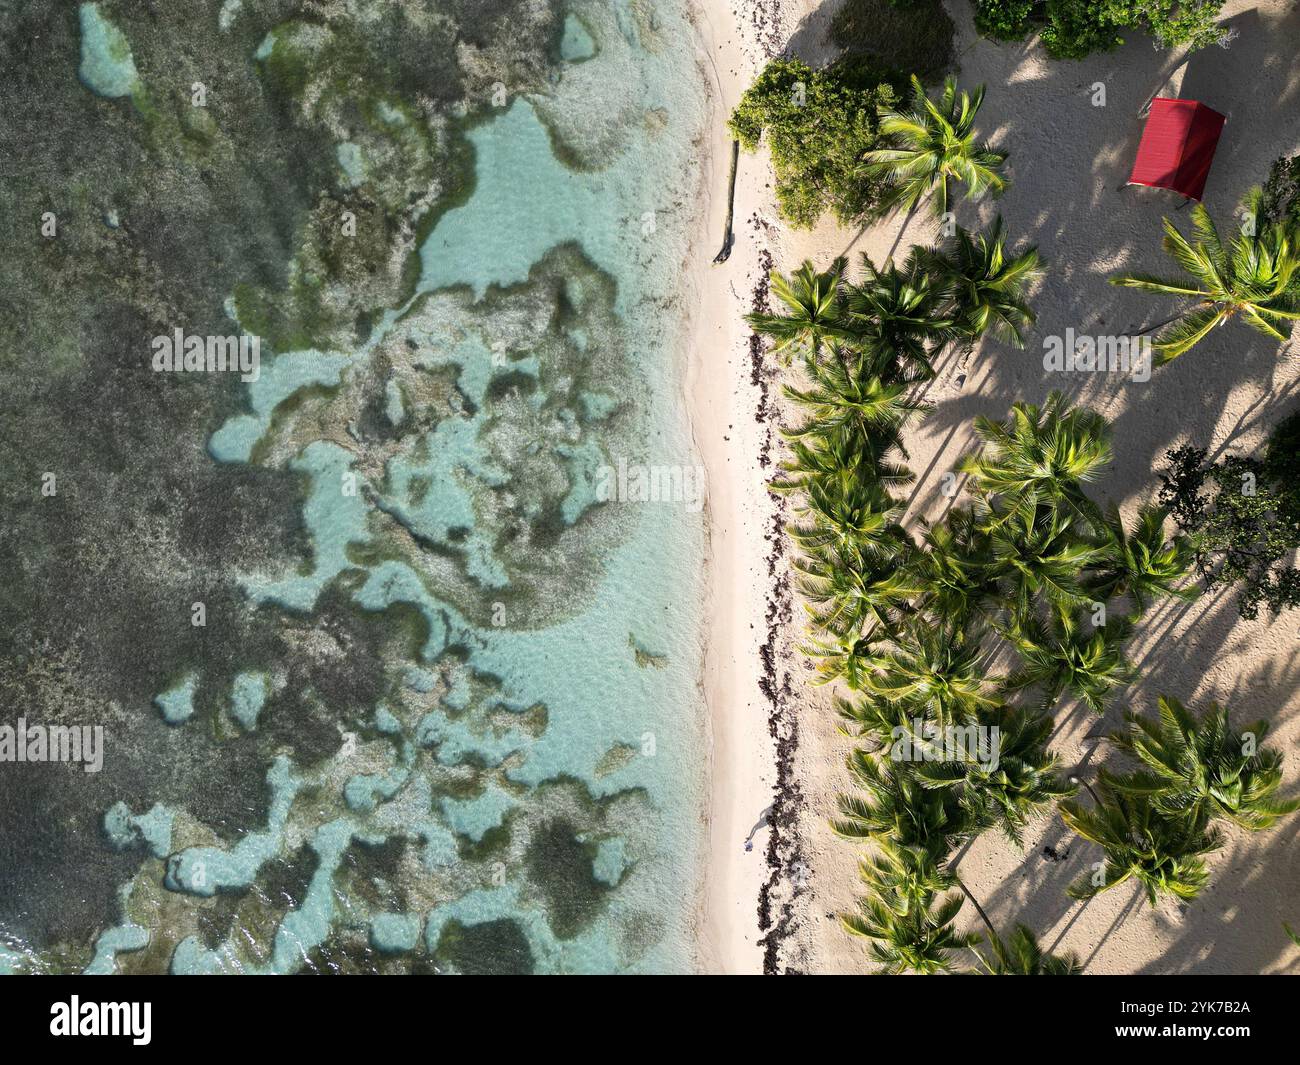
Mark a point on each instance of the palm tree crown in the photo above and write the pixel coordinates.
(935, 144)
(1022, 956)
(1143, 564)
(988, 284)
(1043, 455)
(812, 299)
(1164, 854)
(1203, 768)
(1252, 277)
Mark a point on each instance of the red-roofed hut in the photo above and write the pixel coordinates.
(1177, 146)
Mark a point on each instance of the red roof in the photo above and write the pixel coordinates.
(1177, 146)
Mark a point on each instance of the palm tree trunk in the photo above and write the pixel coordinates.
(728, 233)
(978, 908)
(1095, 797)
(911, 213)
(1161, 325)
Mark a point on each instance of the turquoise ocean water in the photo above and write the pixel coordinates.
(529, 795)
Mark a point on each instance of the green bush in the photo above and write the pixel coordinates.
(1004, 20)
(1073, 29)
(818, 124)
(1281, 201)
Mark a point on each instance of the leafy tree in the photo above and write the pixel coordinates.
(1279, 203)
(934, 145)
(819, 126)
(1204, 769)
(913, 36)
(1242, 516)
(1251, 277)
(1073, 29)
(1004, 20)
(1164, 854)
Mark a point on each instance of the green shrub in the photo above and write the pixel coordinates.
(1281, 201)
(1073, 29)
(1004, 20)
(1243, 515)
(819, 124)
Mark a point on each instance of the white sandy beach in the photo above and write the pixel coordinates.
(730, 439)
(1067, 159)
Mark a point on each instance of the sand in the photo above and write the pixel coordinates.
(773, 733)
(723, 402)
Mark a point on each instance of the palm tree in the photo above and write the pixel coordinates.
(907, 936)
(846, 399)
(899, 312)
(987, 284)
(1066, 655)
(893, 805)
(1163, 853)
(1143, 564)
(940, 670)
(1204, 769)
(908, 876)
(954, 568)
(849, 659)
(848, 590)
(1252, 277)
(1039, 557)
(935, 144)
(812, 299)
(1011, 784)
(843, 511)
(1022, 956)
(1042, 455)
(877, 719)
(826, 455)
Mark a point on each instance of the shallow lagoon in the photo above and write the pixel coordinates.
(543, 753)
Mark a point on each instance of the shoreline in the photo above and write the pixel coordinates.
(747, 903)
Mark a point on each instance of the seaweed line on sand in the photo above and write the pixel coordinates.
(784, 855)
(765, 22)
